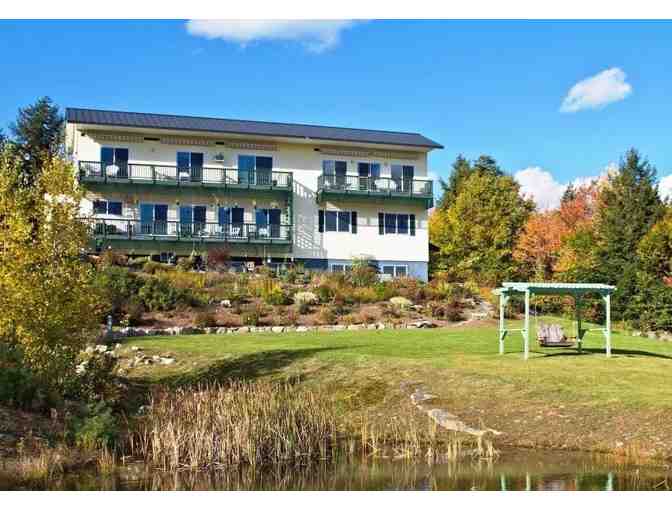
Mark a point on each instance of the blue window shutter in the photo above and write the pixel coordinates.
(381, 224)
(320, 215)
(224, 216)
(353, 221)
(412, 224)
(106, 156)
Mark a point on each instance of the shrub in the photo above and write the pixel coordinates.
(205, 319)
(152, 267)
(134, 310)
(117, 285)
(110, 258)
(94, 378)
(17, 383)
(158, 295)
(272, 293)
(253, 314)
(384, 291)
(97, 428)
(218, 259)
(325, 293)
(186, 263)
(364, 295)
(401, 302)
(326, 315)
(304, 297)
(362, 273)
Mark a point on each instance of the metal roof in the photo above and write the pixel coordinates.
(246, 127)
(556, 288)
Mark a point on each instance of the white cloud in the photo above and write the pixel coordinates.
(665, 187)
(539, 184)
(316, 35)
(597, 91)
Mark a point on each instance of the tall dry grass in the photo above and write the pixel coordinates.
(266, 423)
(242, 423)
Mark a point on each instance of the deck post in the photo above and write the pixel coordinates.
(526, 330)
(607, 331)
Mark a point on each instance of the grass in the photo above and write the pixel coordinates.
(558, 398)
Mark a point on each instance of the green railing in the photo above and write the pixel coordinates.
(97, 171)
(131, 229)
(383, 186)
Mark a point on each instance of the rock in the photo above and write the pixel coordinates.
(636, 333)
(156, 358)
(278, 329)
(355, 327)
(191, 330)
(243, 329)
(422, 324)
(226, 303)
(89, 350)
(380, 325)
(222, 331)
(371, 326)
(651, 334)
(101, 348)
(338, 327)
(167, 361)
(135, 348)
(302, 329)
(117, 346)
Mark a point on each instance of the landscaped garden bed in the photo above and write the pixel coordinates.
(150, 298)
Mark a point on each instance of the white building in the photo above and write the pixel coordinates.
(271, 192)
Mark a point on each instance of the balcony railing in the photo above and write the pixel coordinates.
(383, 186)
(130, 229)
(97, 171)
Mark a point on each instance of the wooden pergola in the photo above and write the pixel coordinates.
(576, 290)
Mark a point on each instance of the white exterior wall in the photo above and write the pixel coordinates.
(306, 166)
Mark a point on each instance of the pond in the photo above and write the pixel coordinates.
(514, 470)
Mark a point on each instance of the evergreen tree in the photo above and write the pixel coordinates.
(629, 207)
(38, 134)
(461, 170)
(568, 195)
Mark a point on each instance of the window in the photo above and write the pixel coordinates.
(340, 268)
(190, 163)
(114, 161)
(268, 222)
(368, 174)
(338, 221)
(395, 271)
(403, 175)
(255, 170)
(392, 223)
(154, 219)
(105, 207)
(334, 172)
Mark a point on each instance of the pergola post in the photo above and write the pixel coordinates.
(607, 331)
(579, 339)
(502, 330)
(526, 330)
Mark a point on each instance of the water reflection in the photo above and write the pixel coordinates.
(516, 470)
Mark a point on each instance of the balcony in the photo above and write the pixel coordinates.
(96, 172)
(135, 230)
(354, 186)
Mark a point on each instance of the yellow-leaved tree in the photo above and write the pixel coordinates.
(49, 308)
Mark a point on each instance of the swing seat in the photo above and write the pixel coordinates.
(552, 335)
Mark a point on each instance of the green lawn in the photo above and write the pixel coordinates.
(556, 398)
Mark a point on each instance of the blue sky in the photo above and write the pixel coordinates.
(474, 86)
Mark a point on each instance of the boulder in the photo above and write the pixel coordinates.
(222, 331)
(338, 327)
(355, 327)
(278, 329)
(243, 329)
(167, 361)
(380, 325)
(301, 329)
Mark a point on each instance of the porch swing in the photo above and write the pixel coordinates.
(551, 335)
